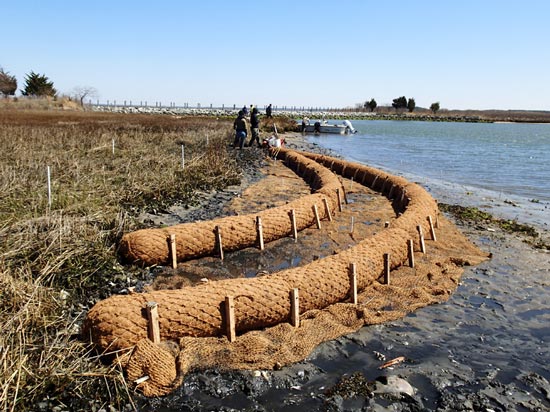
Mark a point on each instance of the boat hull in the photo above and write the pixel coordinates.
(327, 128)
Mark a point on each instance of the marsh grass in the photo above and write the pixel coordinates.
(57, 260)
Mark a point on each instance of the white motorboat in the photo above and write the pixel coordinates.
(325, 127)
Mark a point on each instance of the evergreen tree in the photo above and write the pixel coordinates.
(8, 84)
(400, 103)
(411, 104)
(38, 85)
(434, 107)
(371, 105)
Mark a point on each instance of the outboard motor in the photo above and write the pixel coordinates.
(349, 127)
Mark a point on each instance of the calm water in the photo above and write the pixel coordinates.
(495, 160)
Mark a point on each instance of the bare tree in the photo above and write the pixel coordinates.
(81, 92)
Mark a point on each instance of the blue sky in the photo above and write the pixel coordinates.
(467, 54)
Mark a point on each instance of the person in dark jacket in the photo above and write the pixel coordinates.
(255, 127)
(241, 126)
(268, 111)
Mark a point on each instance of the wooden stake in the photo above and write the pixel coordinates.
(219, 241)
(421, 239)
(173, 251)
(293, 222)
(432, 230)
(410, 247)
(327, 209)
(339, 200)
(294, 308)
(386, 224)
(230, 318)
(259, 228)
(374, 182)
(316, 213)
(387, 268)
(365, 173)
(390, 194)
(351, 225)
(353, 282)
(354, 177)
(153, 328)
(345, 194)
(383, 185)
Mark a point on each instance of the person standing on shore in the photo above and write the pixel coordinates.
(305, 123)
(268, 111)
(241, 127)
(255, 127)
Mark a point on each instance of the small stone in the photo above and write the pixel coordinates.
(393, 385)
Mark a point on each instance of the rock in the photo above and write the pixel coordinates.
(335, 403)
(392, 385)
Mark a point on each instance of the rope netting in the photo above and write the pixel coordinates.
(193, 321)
(193, 240)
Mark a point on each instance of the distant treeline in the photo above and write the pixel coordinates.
(518, 116)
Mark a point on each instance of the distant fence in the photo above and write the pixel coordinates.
(230, 107)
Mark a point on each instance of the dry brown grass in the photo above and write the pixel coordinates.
(56, 261)
(39, 103)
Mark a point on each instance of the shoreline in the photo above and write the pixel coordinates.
(382, 112)
(475, 116)
(515, 265)
(485, 348)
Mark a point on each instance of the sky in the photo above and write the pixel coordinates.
(464, 54)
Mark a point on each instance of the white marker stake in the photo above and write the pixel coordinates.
(49, 187)
(113, 145)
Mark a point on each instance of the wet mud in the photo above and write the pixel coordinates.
(485, 349)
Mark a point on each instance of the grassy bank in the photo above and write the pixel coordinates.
(58, 254)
